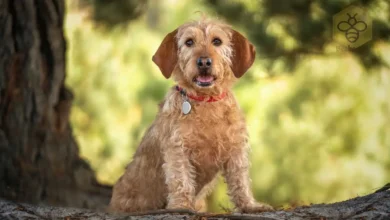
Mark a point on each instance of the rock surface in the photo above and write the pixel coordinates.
(372, 206)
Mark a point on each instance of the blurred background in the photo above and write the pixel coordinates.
(318, 113)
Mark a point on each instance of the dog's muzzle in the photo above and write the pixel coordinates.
(204, 78)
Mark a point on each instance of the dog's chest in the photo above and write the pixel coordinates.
(211, 133)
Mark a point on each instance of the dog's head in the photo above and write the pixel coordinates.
(205, 56)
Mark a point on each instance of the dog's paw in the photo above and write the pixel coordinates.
(256, 208)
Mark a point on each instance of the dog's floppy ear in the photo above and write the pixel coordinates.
(243, 54)
(166, 55)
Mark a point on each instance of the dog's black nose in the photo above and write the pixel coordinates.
(204, 62)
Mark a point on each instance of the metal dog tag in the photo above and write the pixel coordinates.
(186, 107)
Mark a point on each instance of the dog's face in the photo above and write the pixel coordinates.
(204, 55)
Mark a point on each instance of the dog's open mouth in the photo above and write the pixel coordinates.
(204, 81)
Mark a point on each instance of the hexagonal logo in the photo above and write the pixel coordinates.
(352, 27)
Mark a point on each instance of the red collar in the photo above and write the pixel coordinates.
(201, 98)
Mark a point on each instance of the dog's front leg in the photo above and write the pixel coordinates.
(236, 174)
(179, 177)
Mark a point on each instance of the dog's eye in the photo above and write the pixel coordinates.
(189, 42)
(217, 42)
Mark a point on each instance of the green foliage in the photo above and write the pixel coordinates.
(323, 117)
(284, 30)
(114, 13)
(318, 118)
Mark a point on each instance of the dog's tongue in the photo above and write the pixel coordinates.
(205, 79)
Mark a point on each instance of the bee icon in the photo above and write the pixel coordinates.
(352, 28)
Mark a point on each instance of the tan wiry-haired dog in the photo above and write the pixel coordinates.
(199, 130)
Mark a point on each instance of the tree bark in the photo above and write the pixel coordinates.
(39, 158)
(373, 206)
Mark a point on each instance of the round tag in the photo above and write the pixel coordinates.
(186, 107)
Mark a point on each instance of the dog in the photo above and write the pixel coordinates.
(199, 130)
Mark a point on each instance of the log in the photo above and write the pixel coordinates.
(372, 206)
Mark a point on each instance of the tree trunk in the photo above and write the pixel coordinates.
(39, 158)
(374, 206)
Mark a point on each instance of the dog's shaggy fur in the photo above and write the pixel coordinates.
(180, 155)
